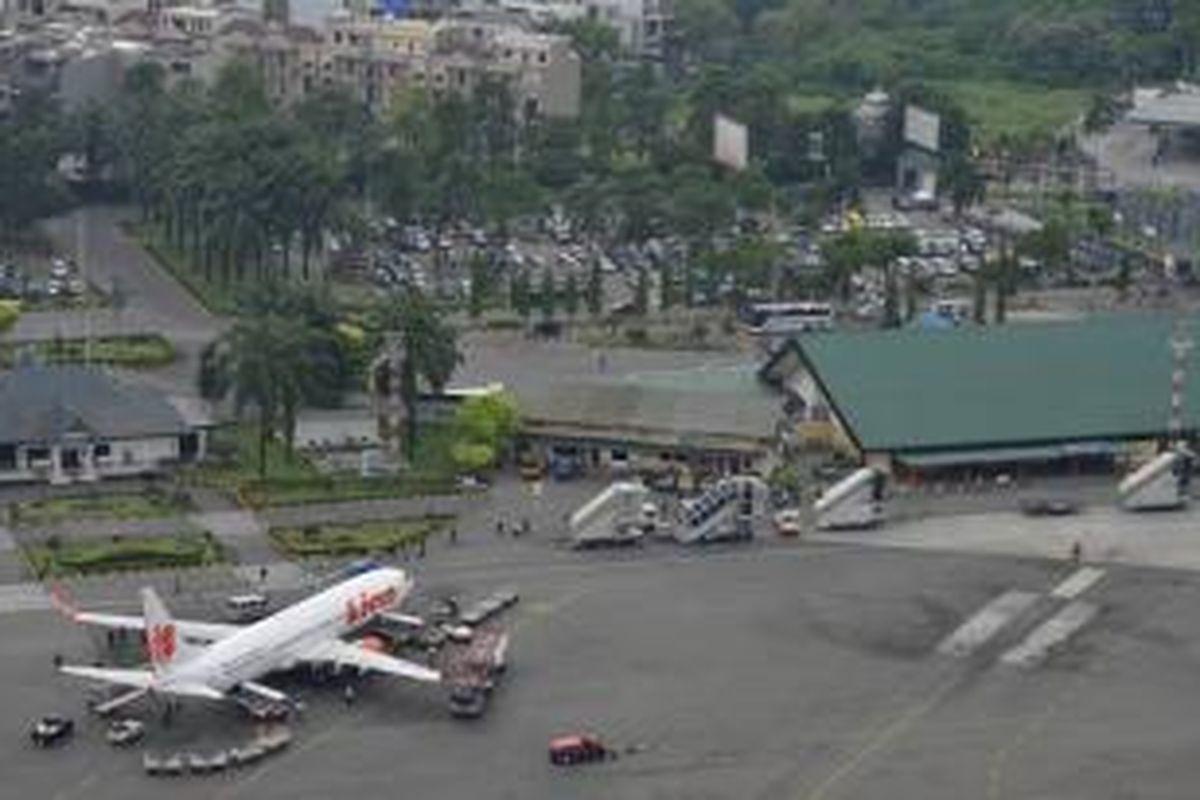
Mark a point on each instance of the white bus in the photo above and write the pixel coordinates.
(773, 319)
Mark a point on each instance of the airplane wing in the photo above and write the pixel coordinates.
(141, 679)
(206, 632)
(346, 654)
(191, 629)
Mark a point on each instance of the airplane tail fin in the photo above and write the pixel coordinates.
(163, 643)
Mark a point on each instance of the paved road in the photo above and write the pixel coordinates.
(1106, 534)
(155, 302)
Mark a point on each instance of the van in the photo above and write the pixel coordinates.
(246, 607)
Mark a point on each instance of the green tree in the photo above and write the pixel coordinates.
(425, 346)
(485, 427)
(546, 295)
(595, 291)
(666, 287)
(641, 293)
(571, 296)
(518, 293)
(263, 361)
(480, 285)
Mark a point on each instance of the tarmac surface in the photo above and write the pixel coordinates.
(769, 670)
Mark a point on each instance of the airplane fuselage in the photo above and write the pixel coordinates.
(283, 638)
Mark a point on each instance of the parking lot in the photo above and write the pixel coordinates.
(770, 670)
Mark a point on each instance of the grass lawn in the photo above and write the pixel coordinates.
(55, 510)
(59, 557)
(360, 539)
(1022, 112)
(135, 350)
(291, 479)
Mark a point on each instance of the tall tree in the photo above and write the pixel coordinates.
(426, 348)
(546, 296)
(595, 291)
(571, 296)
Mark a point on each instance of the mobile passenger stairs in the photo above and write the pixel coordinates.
(1160, 484)
(856, 501)
(728, 509)
(614, 516)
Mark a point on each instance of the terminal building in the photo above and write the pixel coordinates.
(1065, 397)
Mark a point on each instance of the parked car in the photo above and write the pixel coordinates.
(577, 749)
(787, 522)
(1049, 507)
(52, 729)
(124, 732)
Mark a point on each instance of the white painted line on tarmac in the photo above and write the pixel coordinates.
(1050, 634)
(1077, 583)
(986, 623)
(23, 597)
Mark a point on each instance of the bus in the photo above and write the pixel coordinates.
(773, 319)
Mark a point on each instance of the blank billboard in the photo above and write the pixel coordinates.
(922, 128)
(731, 142)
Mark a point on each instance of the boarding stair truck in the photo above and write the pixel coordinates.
(856, 501)
(1160, 484)
(727, 509)
(613, 517)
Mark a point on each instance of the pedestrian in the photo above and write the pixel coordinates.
(526, 527)
(58, 660)
(499, 527)
(453, 534)
(1076, 552)
(421, 546)
(349, 695)
(262, 574)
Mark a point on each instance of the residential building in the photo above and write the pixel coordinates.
(377, 59)
(68, 423)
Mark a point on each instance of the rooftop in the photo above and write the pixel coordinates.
(701, 406)
(917, 390)
(1166, 107)
(42, 403)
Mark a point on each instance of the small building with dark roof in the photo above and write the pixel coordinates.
(66, 423)
(1092, 394)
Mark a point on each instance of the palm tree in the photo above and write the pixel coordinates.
(275, 358)
(425, 348)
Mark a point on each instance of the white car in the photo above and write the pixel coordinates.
(123, 732)
(787, 522)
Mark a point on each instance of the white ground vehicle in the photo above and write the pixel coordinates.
(1159, 484)
(616, 516)
(856, 501)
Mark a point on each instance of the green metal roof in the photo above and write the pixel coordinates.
(1105, 377)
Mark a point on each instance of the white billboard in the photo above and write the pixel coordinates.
(731, 142)
(922, 128)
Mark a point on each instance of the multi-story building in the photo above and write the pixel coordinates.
(377, 59)
(642, 26)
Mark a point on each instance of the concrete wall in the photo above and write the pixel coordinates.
(126, 457)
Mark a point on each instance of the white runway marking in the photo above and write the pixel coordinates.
(977, 630)
(1077, 583)
(1051, 633)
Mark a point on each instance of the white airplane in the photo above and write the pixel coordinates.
(212, 659)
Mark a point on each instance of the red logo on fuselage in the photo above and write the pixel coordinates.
(368, 604)
(160, 641)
